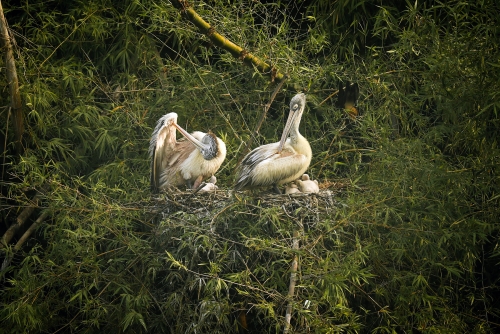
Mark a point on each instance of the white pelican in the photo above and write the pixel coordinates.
(278, 163)
(175, 163)
(307, 185)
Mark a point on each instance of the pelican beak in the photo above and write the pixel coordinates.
(189, 137)
(286, 131)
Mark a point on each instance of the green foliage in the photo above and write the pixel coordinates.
(410, 244)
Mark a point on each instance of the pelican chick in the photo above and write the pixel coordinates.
(175, 163)
(307, 185)
(292, 189)
(209, 186)
(278, 163)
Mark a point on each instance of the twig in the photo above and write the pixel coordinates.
(293, 278)
(67, 37)
(329, 97)
(262, 117)
(248, 145)
(5, 143)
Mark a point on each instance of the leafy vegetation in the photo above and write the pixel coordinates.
(407, 243)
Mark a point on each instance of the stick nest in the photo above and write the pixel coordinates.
(210, 206)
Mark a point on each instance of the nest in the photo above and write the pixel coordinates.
(309, 208)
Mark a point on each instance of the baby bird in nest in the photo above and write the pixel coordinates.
(307, 185)
(209, 186)
(292, 189)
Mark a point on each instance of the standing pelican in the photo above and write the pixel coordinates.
(281, 162)
(175, 163)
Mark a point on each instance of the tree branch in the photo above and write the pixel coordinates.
(249, 144)
(23, 239)
(21, 219)
(293, 279)
(222, 42)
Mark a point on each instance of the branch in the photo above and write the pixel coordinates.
(222, 42)
(264, 114)
(21, 219)
(248, 145)
(293, 280)
(23, 239)
(30, 230)
(11, 72)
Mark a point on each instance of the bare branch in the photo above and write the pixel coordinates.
(293, 279)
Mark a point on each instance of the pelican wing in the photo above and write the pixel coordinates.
(265, 167)
(168, 164)
(161, 149)
(251, 160)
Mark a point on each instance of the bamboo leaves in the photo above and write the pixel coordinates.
(403, 238)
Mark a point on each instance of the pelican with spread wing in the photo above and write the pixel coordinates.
(187, 161)
(278, 163)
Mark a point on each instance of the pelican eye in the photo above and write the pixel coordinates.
(295, 106)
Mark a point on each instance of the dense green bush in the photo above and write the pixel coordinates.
(407, 243)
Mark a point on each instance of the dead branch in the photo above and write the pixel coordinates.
(30, 230)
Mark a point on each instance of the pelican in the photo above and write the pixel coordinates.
(292, 189)
(307, 185)
(209, 186)
(175, 163)
(278, 163)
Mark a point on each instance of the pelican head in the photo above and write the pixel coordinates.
(297, 105)
(209, 186)
(208, 145)
(209, 151)
(292, 189)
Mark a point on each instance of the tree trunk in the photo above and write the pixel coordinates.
(15, 94)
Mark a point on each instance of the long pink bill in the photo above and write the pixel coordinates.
(189, 137)
(286, 130)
